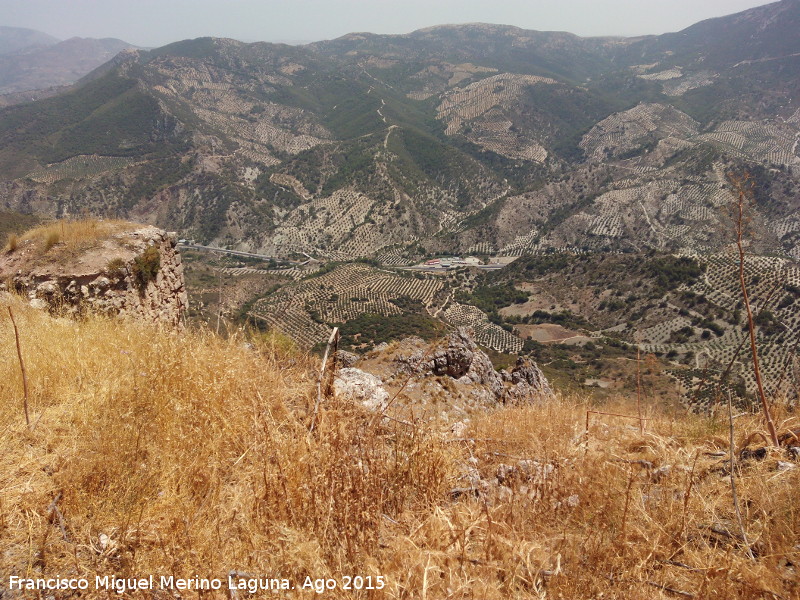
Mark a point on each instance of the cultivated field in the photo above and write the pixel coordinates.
(306, 310)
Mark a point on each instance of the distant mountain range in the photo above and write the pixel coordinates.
(31, 60)
(465, 139)
(19, 39)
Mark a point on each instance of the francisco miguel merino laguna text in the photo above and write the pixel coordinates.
(122, 585)
(235, 581)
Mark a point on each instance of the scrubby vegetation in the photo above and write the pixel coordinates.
(564, 318)
(492, 298)
(77, 232)
(153, 176)
(368, 330)
(13, 223)
(669, 272)
(146, 266)
(13, 243)
(117, 268)
(109, 115)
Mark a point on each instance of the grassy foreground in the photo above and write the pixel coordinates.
(189, 455)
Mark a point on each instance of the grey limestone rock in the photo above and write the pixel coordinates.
(346, 359)
(362, 387)
(528, 383)
(460, 358)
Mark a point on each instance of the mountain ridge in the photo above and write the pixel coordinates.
(16, 39)
(517, 105)
(44, 62)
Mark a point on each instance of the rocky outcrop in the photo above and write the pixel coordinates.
(346, 359)
(132, 271)
(362, 387)
(460, 358)
(444, 381)
(527, 383)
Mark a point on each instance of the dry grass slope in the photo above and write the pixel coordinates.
(85, 230)
(192, 455)
(69, 236)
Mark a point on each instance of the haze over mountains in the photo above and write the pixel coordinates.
(31, 60)
(526, 242)
(438, 306)
(16, 39)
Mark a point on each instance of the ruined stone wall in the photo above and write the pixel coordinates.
(135, 273)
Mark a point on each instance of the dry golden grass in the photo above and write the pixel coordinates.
(13, 243)
(192, 454)
(70, 235)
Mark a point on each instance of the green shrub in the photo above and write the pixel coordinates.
(669, 272)
(492, 298)
(146, 267)
(116, 268)
(369, 329)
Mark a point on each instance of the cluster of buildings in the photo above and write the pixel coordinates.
(453, 261)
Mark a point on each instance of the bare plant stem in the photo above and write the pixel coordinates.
(740, 183)
(733, 483)
(219, 298)
(687, 494)
(54, 512)
(586, 432)
(733, 360)
(625, 511)
(639, 389)
(22, 368)
(333, 340)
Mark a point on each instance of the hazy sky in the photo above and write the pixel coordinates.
(157, 22)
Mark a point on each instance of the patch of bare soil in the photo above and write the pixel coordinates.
(547, 332)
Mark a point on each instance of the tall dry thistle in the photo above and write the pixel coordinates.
(743, 188)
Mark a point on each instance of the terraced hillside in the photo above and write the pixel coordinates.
(581, 315)
(373, 305)
(687, 309)
(306, 310)
(478, 138)
(774, 289)
(487, 334)
(473, 139)
(655, 181)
